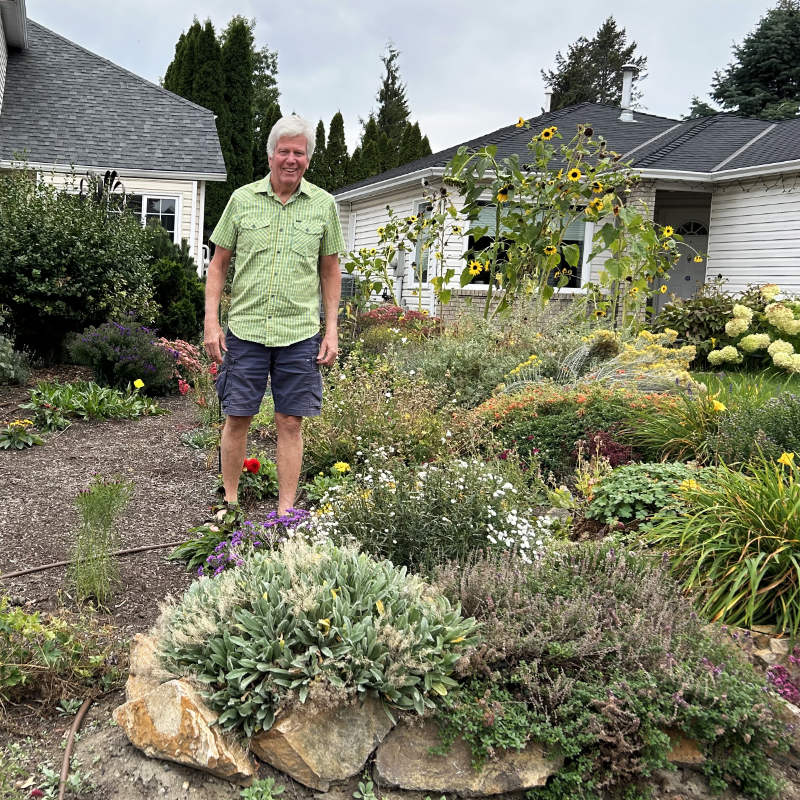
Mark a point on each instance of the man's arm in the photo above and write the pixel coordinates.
(330, 278)
(213, 335)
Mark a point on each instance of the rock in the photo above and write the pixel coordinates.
(145, 671)
(683, 750)
(173, 723)
(780, 647)
(790, 716)
(317, 747)
(404, 761)
(765, 656)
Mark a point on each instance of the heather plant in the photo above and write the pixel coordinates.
(735, 546)
(638, 491)
(54, 404)
(372, 404)
(312, 623)
(121, 352)
(594, 652)
(93, 571)
(45, 658)
(418, 516)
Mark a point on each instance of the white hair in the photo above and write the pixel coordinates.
(287, 127)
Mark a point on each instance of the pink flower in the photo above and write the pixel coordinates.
(36, 793)
(183, 387)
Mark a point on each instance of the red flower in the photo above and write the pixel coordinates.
(36, 793)
(183, 387)
(251, 465)
(212, 368)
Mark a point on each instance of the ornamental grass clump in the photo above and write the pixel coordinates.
(736, 547)
(421, 516)
(594, 652)
(314, 624)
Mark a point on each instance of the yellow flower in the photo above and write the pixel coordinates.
(502, 195)
(334, 593)
(634, 290)
(379, 606)
(521, 122)
(550, 250)
(597, 187)
(717, 406)
(698, 259)
(324, 624)
(381, 231)
(574, 174)
(475, 267)
(547, 133)
(667, 231)
(138, 384)
(457, 640)
(341, 467)
(787, 459)
(663, 288)
(689, 484)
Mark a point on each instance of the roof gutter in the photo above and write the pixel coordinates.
(123, 172)
(15, 22)
(390, 184)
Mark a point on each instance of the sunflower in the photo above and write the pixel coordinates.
(597, 187)
(502, 195)
(663, 288)
(599, 313)
(667, 231)
(550, 250)
(698, 259)
(634, 290)
(574, 174)
(520, 122)
(475, 268)
(547, 134)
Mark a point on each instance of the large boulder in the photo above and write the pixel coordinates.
(317, 747)
(172, 722)
(404, 761)
(145, 672)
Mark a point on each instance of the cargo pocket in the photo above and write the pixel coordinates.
(223, 377)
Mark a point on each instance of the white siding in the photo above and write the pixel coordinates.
(3, 61)
(754, 236)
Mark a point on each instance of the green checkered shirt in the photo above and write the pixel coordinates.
(276, 288)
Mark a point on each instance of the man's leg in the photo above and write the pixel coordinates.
(234, 450)
(289, 458)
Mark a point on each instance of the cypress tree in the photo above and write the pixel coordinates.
(424, 148)
(267, 120)
(318, 169)
(266, 109)
(336, 153)
(237, 66)
(410, 144)
(354, 171)
(393, 106)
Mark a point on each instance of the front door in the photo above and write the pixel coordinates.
(687, 276)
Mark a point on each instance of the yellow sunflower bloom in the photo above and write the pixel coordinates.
(550, 250)
(787, 459)
(502, 195)
(521, 122)
(475, 267)
(698, 259)
(663, 288)
(597, 187)
(547, 134)
(574, 174)
(667, 231)
(635, 290)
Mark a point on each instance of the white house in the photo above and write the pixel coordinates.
(729, 185)
(65, 111)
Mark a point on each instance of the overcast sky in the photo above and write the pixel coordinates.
(470, 67)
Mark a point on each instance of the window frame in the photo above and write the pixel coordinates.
(177, 198)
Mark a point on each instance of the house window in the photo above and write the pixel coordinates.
(692, 228)
(154, 210)
(578, 232)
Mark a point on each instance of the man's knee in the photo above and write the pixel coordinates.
(236, 427)
(288, 425)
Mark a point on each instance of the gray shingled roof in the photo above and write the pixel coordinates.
(64, 105)
(651, 142)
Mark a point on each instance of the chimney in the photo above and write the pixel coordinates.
(548, 100)
(629, 72)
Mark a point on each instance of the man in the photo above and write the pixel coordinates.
(285, 235)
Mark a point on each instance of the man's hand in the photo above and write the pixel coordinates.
(214, 341)
(328, 349)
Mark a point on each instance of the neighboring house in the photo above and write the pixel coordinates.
(729, 185)
(67, 112)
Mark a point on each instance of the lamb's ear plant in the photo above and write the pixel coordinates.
(264, 789)
(313, 623)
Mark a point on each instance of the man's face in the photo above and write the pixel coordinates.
(289, 162)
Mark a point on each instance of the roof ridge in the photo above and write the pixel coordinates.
(119, 68)
(692, 128)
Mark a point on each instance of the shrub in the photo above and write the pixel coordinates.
(312, 623)
(544, 421)
(45, 659)
(736, 545)
(368, 405)
(55, 403)
(121, 353)
(595, 652)
(637, 491)
(407, 320)
(13, 365)
(65, 263)
(258, 481)
(419, 516)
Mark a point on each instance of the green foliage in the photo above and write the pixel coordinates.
(93, 571)
(45, 659)
(266, 110)
(12, 769)
(55, 403)
(336, 159)
(262, 789)
(368, 405)
(18, 434)
(637, 491)
(205, 538)
(421, 516)
(317, 172)
(65, 262)
(736, 547)
(309, 621)
(595, 652)
(120, 353)
(591, 72)
(699, 108)
(13, 364)
(321, 484)
(256, 485)
(764, 78)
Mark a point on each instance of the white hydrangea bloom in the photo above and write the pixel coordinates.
(754, 342)
(737, 326)
(743, 312)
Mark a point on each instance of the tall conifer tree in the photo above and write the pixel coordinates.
(266, 109)
(336, 153)
(266, 121)
(318, 171)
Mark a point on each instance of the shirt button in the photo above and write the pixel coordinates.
(279, 251)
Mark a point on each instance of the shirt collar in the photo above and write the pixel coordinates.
(264, 186)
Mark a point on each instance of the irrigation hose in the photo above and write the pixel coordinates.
(55, 564)
(76, 725)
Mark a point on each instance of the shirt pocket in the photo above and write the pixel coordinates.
(254, 235)
(306, 238)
